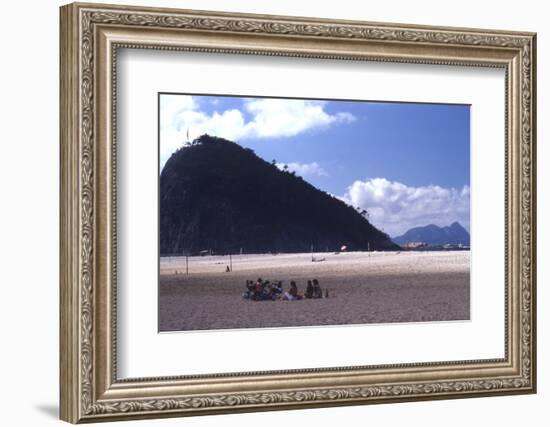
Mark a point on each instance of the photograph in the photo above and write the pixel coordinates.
(263, 210)
(293, 212)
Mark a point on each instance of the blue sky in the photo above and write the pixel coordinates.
(407, 164)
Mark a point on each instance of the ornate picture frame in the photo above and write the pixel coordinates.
(90, 37)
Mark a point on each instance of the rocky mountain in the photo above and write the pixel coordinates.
(218, 196)
(433, 235)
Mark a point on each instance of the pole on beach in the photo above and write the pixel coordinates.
(311, 253)
(187, 265)
(230, 263)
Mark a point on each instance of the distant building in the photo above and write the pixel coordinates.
(414, 245)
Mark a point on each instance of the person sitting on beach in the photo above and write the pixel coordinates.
(258, 290)
(267, 292)
(250, 287)
(309, 290)
(273, 290)
(292, 293)
(317, 291)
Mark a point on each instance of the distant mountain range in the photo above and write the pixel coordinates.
(433, 235)
(216, 196)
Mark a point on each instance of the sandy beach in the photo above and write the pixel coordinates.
(364, 287)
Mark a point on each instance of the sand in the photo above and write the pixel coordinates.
(364, 287)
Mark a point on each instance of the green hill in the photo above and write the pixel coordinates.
(216, 195)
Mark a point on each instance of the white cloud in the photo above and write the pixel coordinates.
(304, 169)
(396, 207)
(273, 118)
(270, 118)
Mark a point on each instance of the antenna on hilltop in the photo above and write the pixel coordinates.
(188, 142)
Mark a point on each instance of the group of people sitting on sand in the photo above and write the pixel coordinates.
(264, 290)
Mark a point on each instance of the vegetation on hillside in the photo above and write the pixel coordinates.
(218, 196)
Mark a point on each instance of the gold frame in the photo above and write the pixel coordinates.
(90, 36)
